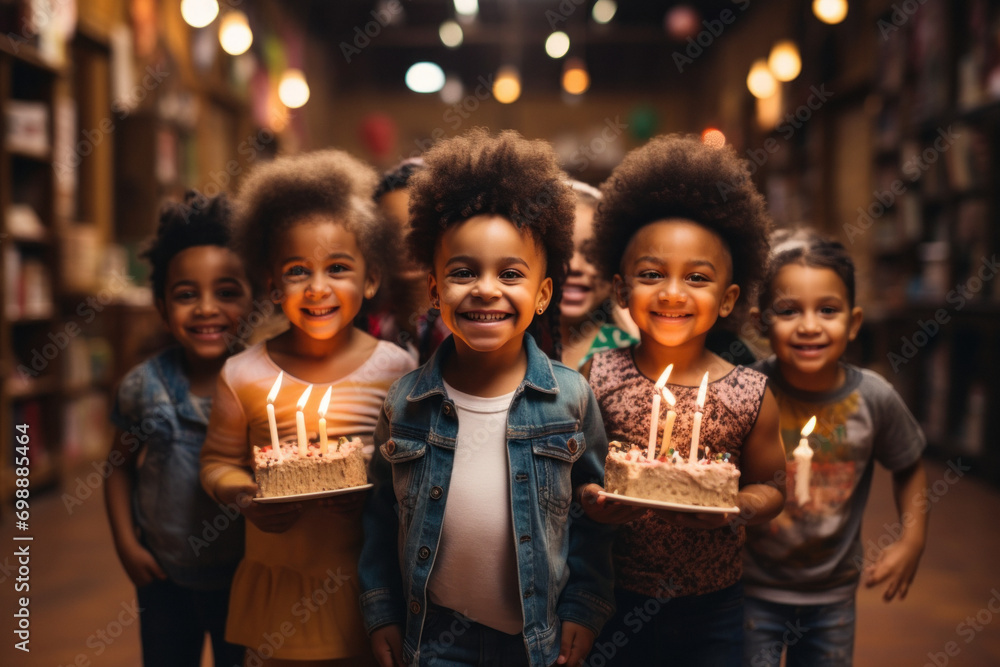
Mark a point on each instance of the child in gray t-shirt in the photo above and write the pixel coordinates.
(801, 569)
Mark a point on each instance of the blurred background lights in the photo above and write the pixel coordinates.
(575, 80)
(830, 11)
(507, 85)
(604, 10)
(452, 90)
(784, 61)
(557, 45)
(713, 138)
(681, 22)
(467, 7)
(293, 91)
(760, 81)
(199, 13)
(234, 33)
(451, 34)
(425, 77)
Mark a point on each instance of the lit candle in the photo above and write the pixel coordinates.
(696, 430)
(300, 421)
(324, 445)
(271, 396)
(803, 463)
(654, 419)
(668, 430)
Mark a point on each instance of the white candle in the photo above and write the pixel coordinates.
(696, 429)
(654, 418)
(803, 463)
(668, 430)
(271, 396)
(324, 445)
(300, 421)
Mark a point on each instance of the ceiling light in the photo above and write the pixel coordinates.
(760, 81)
(830, 11)
(234, 33)
(293, 91)
(557, 45)
(507, 85)
(199, 13)
(451, 34)
(425, 77)
(604, 10)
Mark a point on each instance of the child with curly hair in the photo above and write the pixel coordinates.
(309, 226)
(802, 569)
(471, 556)
(161, 411)
(681, 251)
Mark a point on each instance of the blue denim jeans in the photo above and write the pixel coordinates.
(173, 621)
(688, 630)
(450, 639)
(811, 635)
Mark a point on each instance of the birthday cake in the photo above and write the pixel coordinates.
(707, 483)
(339, 466)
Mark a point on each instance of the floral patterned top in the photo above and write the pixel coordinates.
(652, 557)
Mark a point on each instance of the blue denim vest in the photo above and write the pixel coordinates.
(555, 443)
(196, 541)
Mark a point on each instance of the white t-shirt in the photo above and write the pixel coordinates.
(475, 571)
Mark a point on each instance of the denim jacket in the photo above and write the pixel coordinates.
(555, 443)
(195, 540)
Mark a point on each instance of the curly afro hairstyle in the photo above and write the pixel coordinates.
(678, 176)
(507, 175)
(196, 221)
(293, 189)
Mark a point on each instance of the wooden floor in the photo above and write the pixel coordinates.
(81, 606)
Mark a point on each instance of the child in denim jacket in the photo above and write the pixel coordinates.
(473, 553)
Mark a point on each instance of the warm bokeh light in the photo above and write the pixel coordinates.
(425, 77)
(830, 11)
(760, 81)
(575, 79)
(681, 22)
(604, 10)
(199, 13)
(784, 61)
(467, 7)
(451, 34)
(557, 45)
(713, 138)
(293, 91)
(507, 85)
(234, 33)
(452, 90)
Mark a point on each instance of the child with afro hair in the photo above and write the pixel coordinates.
(480, 452)
(682, 232)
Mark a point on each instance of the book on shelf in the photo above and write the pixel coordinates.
(27, 127)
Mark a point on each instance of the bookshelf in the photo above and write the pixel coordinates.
(936, 145)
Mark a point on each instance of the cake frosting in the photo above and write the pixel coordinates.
(707, 483)
(319, 470)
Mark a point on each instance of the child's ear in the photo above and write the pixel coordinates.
(274, 293)
(544, 296)
(432, 290)
(856, 319)
(729, 298)
(372, 282)
(621, 291)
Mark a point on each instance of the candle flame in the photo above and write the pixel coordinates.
(669, 397)
(664, 376)
(274, 389)
(808, 428)
(325, 403)
(304, 398)
(702, 390)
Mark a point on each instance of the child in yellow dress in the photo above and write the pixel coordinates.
(309, 225)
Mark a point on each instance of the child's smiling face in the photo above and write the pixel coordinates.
(490, 279)
(585, 290)
(675, 281)
(206, 295)
(810, 325)
(322, 277)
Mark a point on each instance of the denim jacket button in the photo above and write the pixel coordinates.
(528, 593)
(572, 446)
(424, 553)
(447, 408)
(390, 447)
(436, 492)
(414, 607)
(525, 538)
